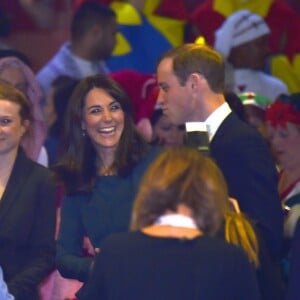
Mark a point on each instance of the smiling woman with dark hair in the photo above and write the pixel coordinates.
(103, 161)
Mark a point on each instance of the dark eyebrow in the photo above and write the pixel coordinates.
(114, 101)
(162, 84)
(98, 105)
(93, 106)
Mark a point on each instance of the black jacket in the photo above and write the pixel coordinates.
(27, 227)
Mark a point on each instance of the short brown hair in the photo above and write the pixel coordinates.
(12, 94)
(202, 59)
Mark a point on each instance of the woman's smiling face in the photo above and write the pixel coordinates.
(103, 119)
(12, 127)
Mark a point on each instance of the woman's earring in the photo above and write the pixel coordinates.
(83, 132)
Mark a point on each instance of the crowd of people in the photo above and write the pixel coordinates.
(117, 183)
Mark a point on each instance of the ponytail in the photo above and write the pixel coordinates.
(240, 232)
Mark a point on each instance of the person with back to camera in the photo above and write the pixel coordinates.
(191, 81)
(101, 168)
(27, 203)
(93, 38)
(172, 251)
(54, 111)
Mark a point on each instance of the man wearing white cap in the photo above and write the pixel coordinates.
(243, 42)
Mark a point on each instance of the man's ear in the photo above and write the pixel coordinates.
(194, 81)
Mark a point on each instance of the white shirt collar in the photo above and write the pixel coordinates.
(216, 118)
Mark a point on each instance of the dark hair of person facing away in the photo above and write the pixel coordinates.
(201, 59)
(64, 86)
(182, 175)
(87, 15)
(78, 165)
(12, 94)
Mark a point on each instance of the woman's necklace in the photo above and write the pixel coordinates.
(176, 220)
(107, 171)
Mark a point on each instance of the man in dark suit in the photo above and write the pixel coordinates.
(191, 81)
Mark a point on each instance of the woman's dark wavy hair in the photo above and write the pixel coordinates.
(63, 88)
(77, 168)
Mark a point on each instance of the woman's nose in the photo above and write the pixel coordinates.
(107, 116)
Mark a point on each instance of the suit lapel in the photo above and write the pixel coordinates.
(221, 132)
(17, 179)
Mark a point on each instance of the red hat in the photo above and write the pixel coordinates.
(141, 89)
(284, 109)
